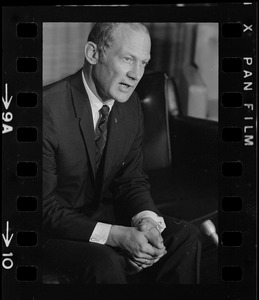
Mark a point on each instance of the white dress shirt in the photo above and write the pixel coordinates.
(102, 230)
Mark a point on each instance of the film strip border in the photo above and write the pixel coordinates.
(21, 158)
(21, 132)
(237, 144)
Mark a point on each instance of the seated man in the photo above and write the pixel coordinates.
(100, 222)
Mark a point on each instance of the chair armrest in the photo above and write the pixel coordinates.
(194, 144)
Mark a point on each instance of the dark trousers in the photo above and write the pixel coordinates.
(93, 263)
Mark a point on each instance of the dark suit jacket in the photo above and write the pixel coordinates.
(73, 195)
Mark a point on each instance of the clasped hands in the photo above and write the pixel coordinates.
(143, 244)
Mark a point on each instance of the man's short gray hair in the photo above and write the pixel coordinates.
(102, 33)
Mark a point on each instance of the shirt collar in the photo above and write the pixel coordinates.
(96, 104)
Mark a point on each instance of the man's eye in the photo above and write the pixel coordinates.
(128, 59)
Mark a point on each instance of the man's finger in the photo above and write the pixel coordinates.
(154, 238)
(144, 261)
(153, 251)
(160, 256)
(133, 267)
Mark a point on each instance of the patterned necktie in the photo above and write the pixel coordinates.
(101, 133)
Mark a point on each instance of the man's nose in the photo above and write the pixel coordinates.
(136, 72)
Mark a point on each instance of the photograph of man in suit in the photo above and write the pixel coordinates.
(100, 222)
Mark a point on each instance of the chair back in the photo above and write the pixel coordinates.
(157, 96)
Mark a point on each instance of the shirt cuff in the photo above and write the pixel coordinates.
(148, 213)
(100, 233)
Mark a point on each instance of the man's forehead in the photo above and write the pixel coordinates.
(138, 47)
(129, 28)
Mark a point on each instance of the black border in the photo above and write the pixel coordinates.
(13, 186)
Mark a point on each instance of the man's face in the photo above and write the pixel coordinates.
(123, 64)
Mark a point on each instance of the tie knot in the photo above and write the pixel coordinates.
(104, 111)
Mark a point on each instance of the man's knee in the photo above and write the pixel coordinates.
(107, 267)
(192, 232)
(181, 231)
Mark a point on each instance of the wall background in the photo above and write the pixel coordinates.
(174, 47)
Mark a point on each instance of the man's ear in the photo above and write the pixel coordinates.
(91, 53)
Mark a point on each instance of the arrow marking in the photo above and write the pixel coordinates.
(6, 238)
(5, 100)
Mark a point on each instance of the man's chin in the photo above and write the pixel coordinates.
(123, 98)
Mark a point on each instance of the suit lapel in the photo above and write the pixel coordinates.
(118, 141)
(84, 114)
(119, 130)
(86, 125)
(113, 139)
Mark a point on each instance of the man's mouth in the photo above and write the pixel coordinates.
(125, 85)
